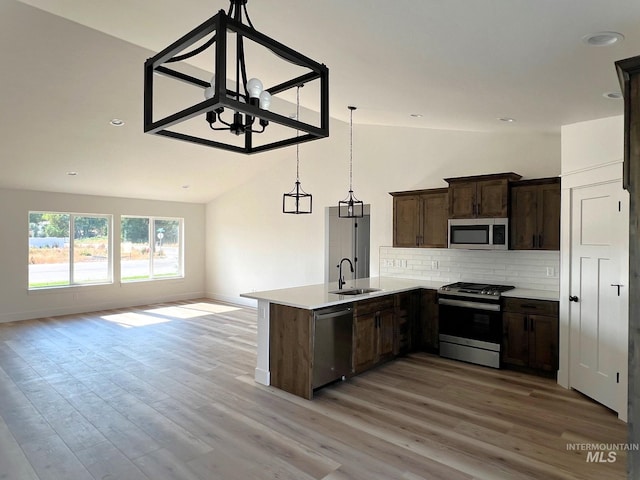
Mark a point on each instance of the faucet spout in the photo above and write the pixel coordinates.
(341, 281)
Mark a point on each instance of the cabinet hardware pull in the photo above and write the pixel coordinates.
(573, 298)
(524, 322)
(533, 241)
(540, 240)
(617, 285)
(532, 322)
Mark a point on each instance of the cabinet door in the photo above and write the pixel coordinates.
(435, 216)
(492, 197)
(543, 342)
(365, 341)
(406, 221)
(387, 345)
(515, 343)
(549, 217)
(524, 217)
(427, 331)
(462, 199)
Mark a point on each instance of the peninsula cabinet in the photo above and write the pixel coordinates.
(374, 332)
(480, 196)
(420, 218)
(530, 334)
(535, 214)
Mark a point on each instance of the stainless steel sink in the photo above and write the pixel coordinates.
(355, 291)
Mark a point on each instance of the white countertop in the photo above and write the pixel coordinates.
(312, 297)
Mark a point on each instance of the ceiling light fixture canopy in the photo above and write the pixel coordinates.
(244, 107)
(351, 207)
(297, 201)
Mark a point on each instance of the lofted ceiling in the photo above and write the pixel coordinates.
(69, 66)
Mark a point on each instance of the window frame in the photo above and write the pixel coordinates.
(71, 262)
(151, 238)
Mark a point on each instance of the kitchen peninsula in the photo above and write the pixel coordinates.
(382, 328)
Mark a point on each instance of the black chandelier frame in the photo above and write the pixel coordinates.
(221, 25)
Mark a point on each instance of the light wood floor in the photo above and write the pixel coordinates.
(167, 392)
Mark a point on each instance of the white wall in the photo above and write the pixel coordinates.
(589, 144)
(251, 245)
(17, 302)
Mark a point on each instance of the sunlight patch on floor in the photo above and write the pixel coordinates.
(129, 320)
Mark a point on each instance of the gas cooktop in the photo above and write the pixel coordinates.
(475, 288)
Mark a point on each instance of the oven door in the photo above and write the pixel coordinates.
(471, 319)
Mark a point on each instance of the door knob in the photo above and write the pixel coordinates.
(573, 298)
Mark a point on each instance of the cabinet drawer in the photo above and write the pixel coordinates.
(525, 305)
(365, 307)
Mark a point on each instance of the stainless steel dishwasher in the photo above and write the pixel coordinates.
(332, 344)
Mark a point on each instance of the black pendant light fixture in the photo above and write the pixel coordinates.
(351, 207)
(232, 118)
(297, 201)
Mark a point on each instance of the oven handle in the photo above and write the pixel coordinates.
(466, 304)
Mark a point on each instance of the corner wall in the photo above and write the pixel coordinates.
(18, 303)
(252, 246)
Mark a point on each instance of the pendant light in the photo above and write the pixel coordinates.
(351, 207)
(235, 117)
(297, 201)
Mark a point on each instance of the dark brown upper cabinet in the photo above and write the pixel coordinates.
(420, 218)
(535, 214)
(480, 196)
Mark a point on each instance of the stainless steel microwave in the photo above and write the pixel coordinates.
(479, 233)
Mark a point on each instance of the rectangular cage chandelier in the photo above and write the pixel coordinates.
(227, 113)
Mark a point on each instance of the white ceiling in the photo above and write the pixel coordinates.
(69, 66)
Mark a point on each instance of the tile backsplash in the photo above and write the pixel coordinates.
(521, 268)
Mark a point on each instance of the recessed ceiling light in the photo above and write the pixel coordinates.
(185, 186)
(416, 115)
(507, 119)
(72, 174)
(116, 122)
(612, 95)
(602, 39)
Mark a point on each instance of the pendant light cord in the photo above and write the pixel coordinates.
(298, 134)
(351, 150)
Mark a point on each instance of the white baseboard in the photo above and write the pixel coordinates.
(263, 376)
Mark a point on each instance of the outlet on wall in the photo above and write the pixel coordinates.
(551, 272)
(435, 265)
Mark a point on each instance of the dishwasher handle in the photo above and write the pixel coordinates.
(320, 315)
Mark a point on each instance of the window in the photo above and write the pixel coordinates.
(150, 248)
(69, 249)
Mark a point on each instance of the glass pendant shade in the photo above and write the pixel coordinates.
(351, 207)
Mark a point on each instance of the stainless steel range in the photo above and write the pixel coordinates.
(471, 322)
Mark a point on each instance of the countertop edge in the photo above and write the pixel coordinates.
(317, 296)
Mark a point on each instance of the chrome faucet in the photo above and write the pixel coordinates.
(341, 281)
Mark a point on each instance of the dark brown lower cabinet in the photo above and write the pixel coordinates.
(426, 327)
(374, 332)
(291, 349)
(530, 334)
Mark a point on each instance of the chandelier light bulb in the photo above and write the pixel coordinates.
(265, 100)
(254, 87)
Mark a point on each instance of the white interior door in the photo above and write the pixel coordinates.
(598, 312)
